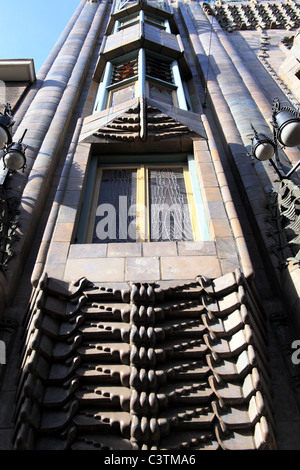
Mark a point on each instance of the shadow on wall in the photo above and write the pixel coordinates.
(3, 99)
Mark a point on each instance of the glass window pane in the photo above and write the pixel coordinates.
(155, 22)
(159, 69)
(116, 211)
(169, 211)
(125, 23)
(160, 94)
(124, 70)
(122, 94)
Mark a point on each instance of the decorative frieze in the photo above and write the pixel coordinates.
(253, 15)
(141, 119)
(144, 366)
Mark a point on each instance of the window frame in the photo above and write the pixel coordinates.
(142, 80)
(143, 222)
(156, 159)
(113, 87)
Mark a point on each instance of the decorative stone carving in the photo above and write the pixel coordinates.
(144, 367)
(141, 119)
(253, 15)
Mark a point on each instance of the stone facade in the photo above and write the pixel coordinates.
(74, 308)
(16, 76)
(14, 92)
(289, 70)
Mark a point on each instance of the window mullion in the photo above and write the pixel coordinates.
(167, 26)
(141, 212)
(141, 73)
(180, 90)
(102, 90)
(191, 204)
(121, 84)
(94, 203)
(198, 200)
(147, 205)
(116, 27)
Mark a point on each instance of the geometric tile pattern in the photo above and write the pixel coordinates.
(253, 15)
(141, 119)
(144, 366)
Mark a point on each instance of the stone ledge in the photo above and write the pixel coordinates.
(142, 269)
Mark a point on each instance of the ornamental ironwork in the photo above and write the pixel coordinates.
(285, 221)
(8, 226)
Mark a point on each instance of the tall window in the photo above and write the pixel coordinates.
(160, 81)
(142, 203)
(123, 82)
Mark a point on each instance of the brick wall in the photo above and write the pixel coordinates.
(12, 92)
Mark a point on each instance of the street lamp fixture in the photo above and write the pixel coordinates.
(286, 123)
(263, 148)
(6, 122)
(286, 131)
(14, 155)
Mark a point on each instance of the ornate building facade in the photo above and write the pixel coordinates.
(150, 279)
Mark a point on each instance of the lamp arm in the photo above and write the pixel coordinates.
(293, 169)
(24, 133)
(281, 176)
(275, 127)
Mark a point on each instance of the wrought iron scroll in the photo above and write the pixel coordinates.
(8, 226)
(285, 221)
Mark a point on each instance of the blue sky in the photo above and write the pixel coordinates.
(30, 28)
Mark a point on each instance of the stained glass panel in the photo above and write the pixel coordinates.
(123, 94)
(169, 210)
(116, 214)
(124, 70)
(160, 94)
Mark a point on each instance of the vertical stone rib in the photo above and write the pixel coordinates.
(50, 113)
(42, 73)
(143, 403)
(46, 240)
(254, 89)
(50, 97)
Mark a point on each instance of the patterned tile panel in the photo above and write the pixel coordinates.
(144, 366)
